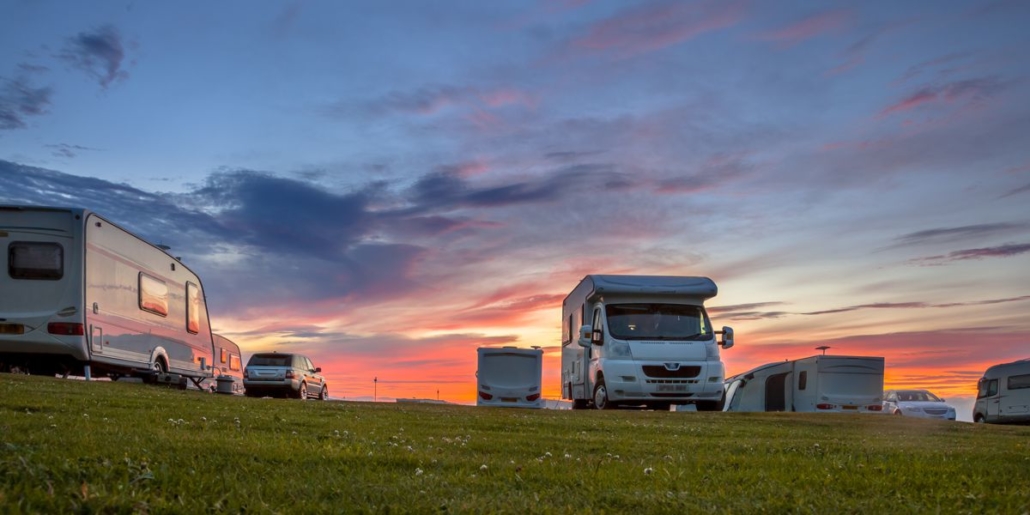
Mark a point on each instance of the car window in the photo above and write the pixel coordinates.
(269, 360)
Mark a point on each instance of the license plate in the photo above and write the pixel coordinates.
(509, 399)
(12, 329)
(850, 407)
(672, 388)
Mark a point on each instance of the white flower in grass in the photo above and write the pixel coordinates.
(547, 454)
(568, 456)
(483, 468)
(648, 471)
(418, 472)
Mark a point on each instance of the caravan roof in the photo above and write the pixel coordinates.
(702, 287)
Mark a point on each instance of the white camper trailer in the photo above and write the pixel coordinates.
(228, 366)
(509, 376)
(81, 294)
(1003, 394)
(813, 384)
(641, 341)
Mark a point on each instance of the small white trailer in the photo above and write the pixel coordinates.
(510, 377)
(228, 366)
(814, 384)
(637, 340)
(81, 295)
(1003, 394)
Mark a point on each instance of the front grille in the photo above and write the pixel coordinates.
(671, 381)
(935, 411)
(661, 371)
(678, 394)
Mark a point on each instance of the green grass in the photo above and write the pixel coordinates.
(75, 447)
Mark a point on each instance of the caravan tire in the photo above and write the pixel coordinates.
(601, 396)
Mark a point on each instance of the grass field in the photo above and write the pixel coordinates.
(71, 446)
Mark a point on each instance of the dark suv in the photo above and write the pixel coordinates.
(293, 375)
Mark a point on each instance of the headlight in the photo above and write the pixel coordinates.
(712, 351)
(619, 349)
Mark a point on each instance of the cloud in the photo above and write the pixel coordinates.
(19, 99)
(67, 150)
(433, 100)
(1007, 250)
(1022, 189)
(916, 305)
(809, 27)
(654, 26)
(968, 91)
(714, 172)
(956, 234)
(99, 53)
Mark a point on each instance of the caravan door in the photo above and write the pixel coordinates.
(776, 392)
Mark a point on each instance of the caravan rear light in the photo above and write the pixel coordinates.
(65, 329)
(823, 405)
(485, 396)
(874, 407)
(533, 397)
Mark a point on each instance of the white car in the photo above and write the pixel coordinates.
(916, 403)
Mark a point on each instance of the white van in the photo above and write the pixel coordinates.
(82, 295)
(1003, 394)
(815, 384)
(633, 340)
(510, 377)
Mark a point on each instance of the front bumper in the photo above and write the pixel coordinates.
(652, 381)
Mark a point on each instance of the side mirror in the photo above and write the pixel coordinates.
(585, 333)
(318, 369)
(727, 337)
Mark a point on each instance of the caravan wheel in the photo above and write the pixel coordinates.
(601, 396)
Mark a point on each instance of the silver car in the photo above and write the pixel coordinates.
(916, 403)
(279, 374)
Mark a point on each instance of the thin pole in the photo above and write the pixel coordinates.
(375, 389)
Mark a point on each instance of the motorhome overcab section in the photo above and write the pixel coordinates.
(641, 340)
(78, 294)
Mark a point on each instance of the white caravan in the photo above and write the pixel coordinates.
(642, 341)
(509, 376)
(81, 295)
(851, 384)
(1003, 394)
(228, 366)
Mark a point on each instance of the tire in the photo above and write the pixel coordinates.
(323, 395)
(159, 368)
(899, 413)
(601, 400)
(980, 419)
(708, 406)
(302, 394)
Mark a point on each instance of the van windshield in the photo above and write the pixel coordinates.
(654, 321)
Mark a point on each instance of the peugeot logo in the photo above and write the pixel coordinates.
(672, 366)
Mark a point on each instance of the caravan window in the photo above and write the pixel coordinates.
(193, 309)
(153, 295)
(35, 260)
(802, 380)
(234, 362)
(1019, 382)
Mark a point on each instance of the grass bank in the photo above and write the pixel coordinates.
(71, 446)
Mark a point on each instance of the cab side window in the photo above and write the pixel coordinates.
(992, 388)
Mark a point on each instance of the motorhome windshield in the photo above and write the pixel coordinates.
(657, 322)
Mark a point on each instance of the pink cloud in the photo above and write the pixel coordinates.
(652, 27)
(809, 27)
(507, 96)
(967, 92)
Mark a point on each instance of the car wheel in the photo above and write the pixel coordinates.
(302, 394)
(601, 396)
(979, 419)
(898, 412)
(324, 394)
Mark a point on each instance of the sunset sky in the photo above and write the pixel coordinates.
(387, 186)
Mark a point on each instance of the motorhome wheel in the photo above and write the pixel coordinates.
(601, 396)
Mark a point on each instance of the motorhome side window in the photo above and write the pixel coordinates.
(153, 295)
(35, 260)
(193, 309)
(1019, 382)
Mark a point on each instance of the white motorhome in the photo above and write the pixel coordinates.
(82, 295)
(641, 341)
(509, 376)
(814, 384)
(1003, 394)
